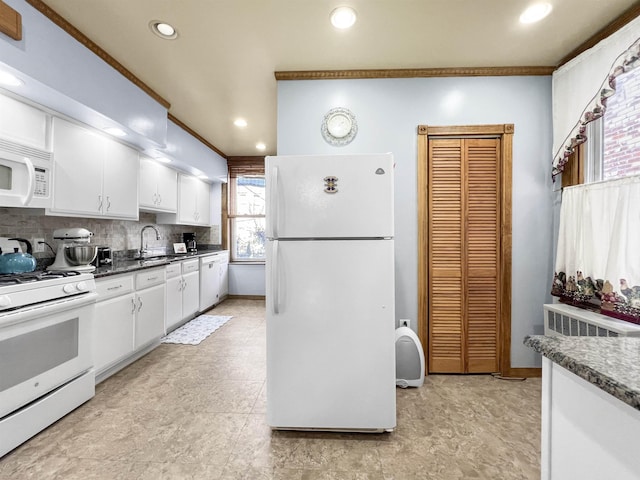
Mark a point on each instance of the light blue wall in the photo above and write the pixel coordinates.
(184, 146)
(76, 82)
(64, 76)
(246, 279)
(388, 112)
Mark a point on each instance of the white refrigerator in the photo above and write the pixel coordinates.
(330, 293)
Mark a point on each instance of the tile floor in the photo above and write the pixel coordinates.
(198, 412)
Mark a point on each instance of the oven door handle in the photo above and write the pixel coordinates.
(28, 313)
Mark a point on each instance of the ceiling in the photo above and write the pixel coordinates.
(222, 64)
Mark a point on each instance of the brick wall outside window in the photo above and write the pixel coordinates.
(622, 128)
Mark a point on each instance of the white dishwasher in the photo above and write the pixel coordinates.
(209, 281)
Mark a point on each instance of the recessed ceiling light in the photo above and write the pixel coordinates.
(115, 131)
(535, 12)
(163, 159)
(240, 122)
(163, 30)
(10, 79)
(261, 146)
(343, 17)
(203, 177)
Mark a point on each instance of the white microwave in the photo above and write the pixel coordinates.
(25, 178)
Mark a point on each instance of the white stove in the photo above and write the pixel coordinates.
(46, 343)
(27, 289)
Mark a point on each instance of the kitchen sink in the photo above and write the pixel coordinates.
(145, 262)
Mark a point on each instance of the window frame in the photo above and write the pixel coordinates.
(240, 167)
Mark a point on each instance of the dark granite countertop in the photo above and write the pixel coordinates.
(611, 364)
(127, 265)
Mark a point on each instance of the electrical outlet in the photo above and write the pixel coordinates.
(405, 322)
(38, 245)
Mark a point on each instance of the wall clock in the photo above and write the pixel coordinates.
(339, 127)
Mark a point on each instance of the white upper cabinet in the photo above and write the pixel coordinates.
(194, 203)
(22, 123)
(93, 176)
(158, 187)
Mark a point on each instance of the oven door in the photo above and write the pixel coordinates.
(42, 348)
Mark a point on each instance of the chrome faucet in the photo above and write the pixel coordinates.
(143, 247)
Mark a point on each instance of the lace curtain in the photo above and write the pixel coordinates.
(582, 86)
(598, 257)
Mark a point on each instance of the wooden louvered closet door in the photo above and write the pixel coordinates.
(464, 254)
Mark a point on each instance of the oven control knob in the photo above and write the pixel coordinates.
(5, 301)
(82, 287)
(68, 288)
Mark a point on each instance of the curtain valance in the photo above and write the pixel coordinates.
(243, 166)
(598, 258)
(581, 87)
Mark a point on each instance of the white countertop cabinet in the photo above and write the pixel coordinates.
(182, 298)
(150, 306)
(590, 406)
(158, 187)
(114, 322)
(93, 176)
(191, 290)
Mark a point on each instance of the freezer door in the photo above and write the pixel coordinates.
(330, 335)
(329, 196)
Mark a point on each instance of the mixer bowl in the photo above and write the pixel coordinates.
(80, 254)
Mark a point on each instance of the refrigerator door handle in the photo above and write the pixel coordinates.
(275, 279)
(273, 202)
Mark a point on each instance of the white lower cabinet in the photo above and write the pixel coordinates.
(183, 294)
(174, 296)
(114, 321)
(191, 290)
(129, 316)
(150, 310)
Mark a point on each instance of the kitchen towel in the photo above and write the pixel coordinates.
(195, 331)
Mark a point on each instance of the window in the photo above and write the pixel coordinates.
(247, 209)
(621, 128)
(612, 149)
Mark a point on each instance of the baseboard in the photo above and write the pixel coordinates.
(523, 372)
(247, 297)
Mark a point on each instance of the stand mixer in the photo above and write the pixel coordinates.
(74, 252)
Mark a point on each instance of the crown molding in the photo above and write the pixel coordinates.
(413, 73)
(195, 134)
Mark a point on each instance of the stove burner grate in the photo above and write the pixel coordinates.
(28, 277)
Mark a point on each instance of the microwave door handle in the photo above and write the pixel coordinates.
(31, 177)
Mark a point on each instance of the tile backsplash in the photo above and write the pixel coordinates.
(117, 234)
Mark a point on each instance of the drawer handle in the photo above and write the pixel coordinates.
(115, 288)
(152, 278)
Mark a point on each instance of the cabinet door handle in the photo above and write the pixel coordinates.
(108, 203)
(99, 203)
(155, 198)
(159, 199)
(133, 306)
(139, 304)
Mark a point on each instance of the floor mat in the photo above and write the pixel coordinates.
(195, 331)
